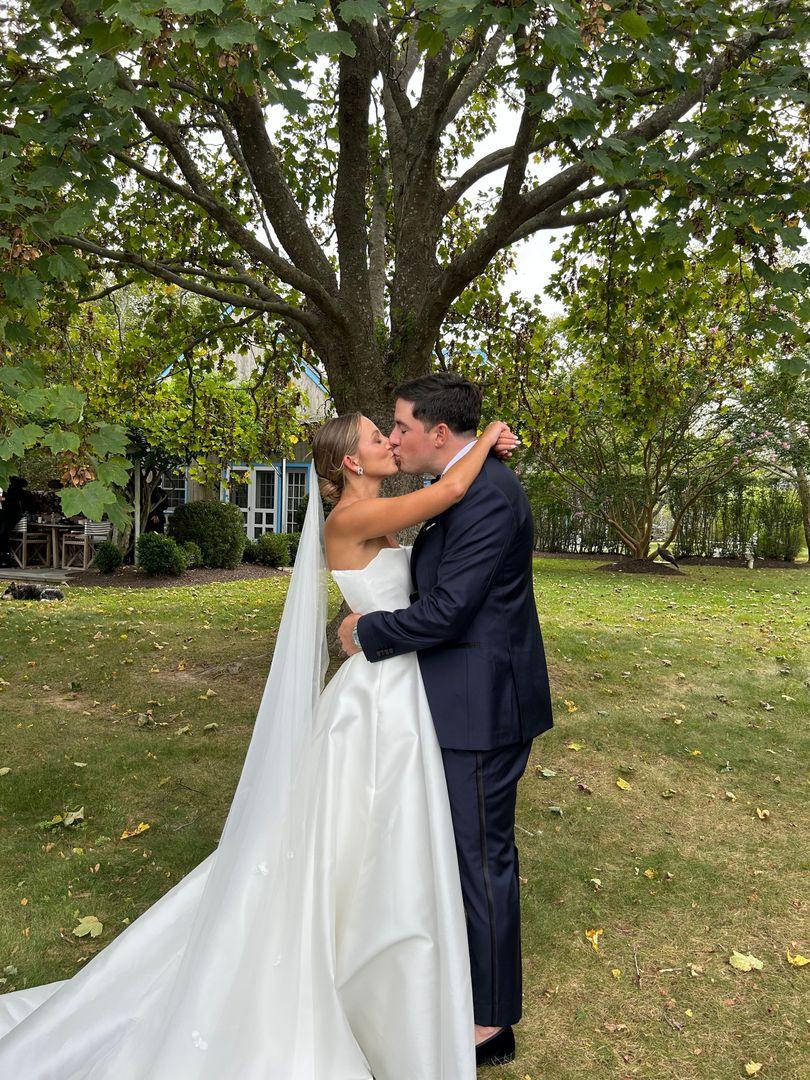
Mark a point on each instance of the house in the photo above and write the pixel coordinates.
(270, 497)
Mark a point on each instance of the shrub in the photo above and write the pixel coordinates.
(192, 553)
(159, 554)
(293, 539)
(108, 557)
(273, 549)
(250, 551)
(218, 528)
(779, 525)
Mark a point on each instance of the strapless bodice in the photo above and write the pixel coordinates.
(384, 584)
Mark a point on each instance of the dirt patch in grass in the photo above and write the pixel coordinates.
(134, 578)
(641, 566)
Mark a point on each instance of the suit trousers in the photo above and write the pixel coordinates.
(483, 789)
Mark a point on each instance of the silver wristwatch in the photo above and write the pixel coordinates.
(356, 639)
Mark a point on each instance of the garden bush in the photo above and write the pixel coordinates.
(273, 549)
(779, 525)
(250, 551)
(293, 539)
(217, 528)
(108, 557)
(192, 552)
(158, 554)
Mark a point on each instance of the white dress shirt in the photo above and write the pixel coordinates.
(464, 450)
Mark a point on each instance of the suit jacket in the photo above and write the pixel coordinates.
(473, 618)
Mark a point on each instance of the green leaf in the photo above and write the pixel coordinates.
(20, 440)
(293, 14)
(430, 39)
(74, 218)
(50, 176)
(64, 267)
(61, 441)
(330, 42)
(364, 11)
(23, 289)
(90, 500)
(634, 24)
(114, 472)
(103, 71)
(109, 440)
(67, 403)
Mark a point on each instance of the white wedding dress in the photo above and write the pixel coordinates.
(332, 946)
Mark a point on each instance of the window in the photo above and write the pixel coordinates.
(174, 484)
(296, 490)
(264, 514)
(239, 492)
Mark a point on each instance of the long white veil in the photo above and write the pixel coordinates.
(174, 993)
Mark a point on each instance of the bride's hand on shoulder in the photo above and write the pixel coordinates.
(500, 438)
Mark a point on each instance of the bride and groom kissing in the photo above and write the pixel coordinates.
(360, 916)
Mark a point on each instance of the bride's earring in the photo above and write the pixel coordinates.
(360, 470)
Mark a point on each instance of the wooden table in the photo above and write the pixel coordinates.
(56, 527)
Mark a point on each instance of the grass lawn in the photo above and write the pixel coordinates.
(690, 691)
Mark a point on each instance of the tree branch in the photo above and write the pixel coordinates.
(155, 269)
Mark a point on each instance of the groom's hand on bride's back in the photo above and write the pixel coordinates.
(506, 444)
(345, 634)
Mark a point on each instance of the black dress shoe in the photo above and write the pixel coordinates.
(499, 1049)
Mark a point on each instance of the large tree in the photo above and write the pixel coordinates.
(324, 163)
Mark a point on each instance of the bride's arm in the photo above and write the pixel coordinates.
(368, 518)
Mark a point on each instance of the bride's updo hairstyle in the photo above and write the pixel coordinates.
(332, 442)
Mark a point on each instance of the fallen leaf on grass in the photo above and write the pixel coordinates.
(88, 925)
(5, 770)
(545, 773)
(731, 796)
(745, 962)
(575, 746)
(622, 783)
(211, 727)
(763, 815)
(798, 960)
(596, 882)
(616, 973)
(613, 1026)
(593, 936)
(752, 1067)
(141, 827)
(570, 705)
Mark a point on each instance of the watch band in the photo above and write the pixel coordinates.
(356, 638)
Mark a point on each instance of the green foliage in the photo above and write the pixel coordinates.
(779, 525)
(249, 552)
(293, 540)
(158, 554)
(273, 549)
(108, 557)
(216, 527)
(192, 554)
(125, 150)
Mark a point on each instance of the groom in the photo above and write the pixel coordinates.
(474, 624)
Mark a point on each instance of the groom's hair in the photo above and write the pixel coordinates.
(443, 398)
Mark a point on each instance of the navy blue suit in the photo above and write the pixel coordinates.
(473, 621)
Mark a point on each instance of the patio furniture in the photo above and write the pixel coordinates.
(78, 548)
(30, 547)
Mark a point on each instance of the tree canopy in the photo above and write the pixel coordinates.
(327, 165)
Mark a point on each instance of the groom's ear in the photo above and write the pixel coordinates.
(441, 433)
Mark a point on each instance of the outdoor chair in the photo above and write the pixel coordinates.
(79, 548)
(28, 547)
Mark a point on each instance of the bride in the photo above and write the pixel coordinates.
(324, 938)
